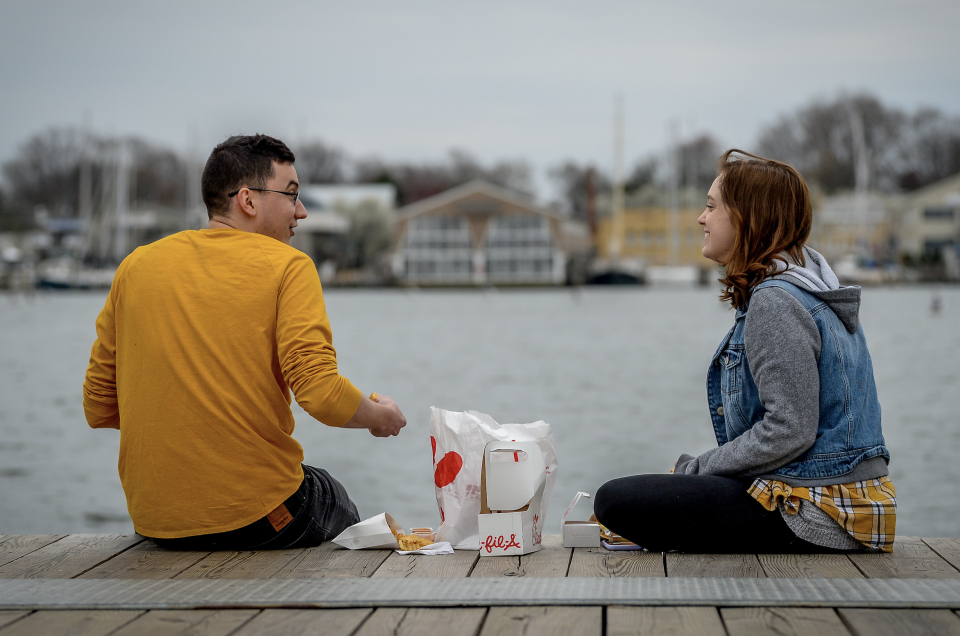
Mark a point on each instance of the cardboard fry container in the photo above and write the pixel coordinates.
(579, 534)
(512, 479)
(372, 533)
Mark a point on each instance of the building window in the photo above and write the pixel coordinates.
(519, 248)
(938, 214)
(438, 248)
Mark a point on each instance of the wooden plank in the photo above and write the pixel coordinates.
(948, 549)
(594, 562)
(332, 561)
(454, 565)
(552, 560)
(548, 621)
(262, 564)
(72, 622)
(713, 565)
(628, 621)
(911, 559)
(9, 616)
(68, 557)
(37, 594)
(417, 621)
(15, 546)
(192, 622)
(808, 566)
(283, 622)
(785, 621)
(145, 561)
(916, 622)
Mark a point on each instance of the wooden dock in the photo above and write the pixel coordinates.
(124, 585)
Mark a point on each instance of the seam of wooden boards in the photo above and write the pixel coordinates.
(946, 561)
(21, 594)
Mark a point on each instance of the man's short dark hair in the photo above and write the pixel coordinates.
(242, 161)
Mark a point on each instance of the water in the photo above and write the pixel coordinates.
(618, 373)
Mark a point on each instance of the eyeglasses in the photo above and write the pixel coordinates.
(295, 195)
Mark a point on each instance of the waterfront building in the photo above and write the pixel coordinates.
(482, 234)
(927, 223)
(653, 235)
(330, 208)
(851, 226)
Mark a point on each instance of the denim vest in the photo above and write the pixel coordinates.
(849, 428)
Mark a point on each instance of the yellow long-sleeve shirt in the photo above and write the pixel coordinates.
(202, 338)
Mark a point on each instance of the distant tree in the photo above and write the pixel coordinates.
(369, 234)
(698, 162)
(570, 178)
(644, 174)
(930, 150)
(319, 163)
(160, 175)
(417, 181)
(47, 170)
(14, 215)
(818, 140)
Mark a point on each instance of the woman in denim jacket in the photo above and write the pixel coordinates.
(800, 464)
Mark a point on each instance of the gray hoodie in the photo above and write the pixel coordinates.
(778, 335)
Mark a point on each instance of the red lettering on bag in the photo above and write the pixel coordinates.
(536, 532)
(500, 543)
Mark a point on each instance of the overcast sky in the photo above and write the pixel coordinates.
(505, 80)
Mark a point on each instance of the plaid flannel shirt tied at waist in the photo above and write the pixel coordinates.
(867, 509)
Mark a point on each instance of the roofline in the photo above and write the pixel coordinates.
(471, 187)
(931, 188)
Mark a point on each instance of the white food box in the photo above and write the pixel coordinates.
(579, 534)
(512, 479)
(373, 533)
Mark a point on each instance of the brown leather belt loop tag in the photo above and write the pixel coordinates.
(280, 517)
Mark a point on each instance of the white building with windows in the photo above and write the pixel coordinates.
(480, 234)
(928, 220)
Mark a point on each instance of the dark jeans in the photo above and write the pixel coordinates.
(694, 513)
(321, 509)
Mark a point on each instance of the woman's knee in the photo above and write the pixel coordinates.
(609, 500)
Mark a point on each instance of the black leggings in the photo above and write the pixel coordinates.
(694, 513)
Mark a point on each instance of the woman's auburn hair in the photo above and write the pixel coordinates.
(770, 209)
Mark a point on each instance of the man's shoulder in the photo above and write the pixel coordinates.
(280, 254)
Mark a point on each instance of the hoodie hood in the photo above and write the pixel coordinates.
(816, 277)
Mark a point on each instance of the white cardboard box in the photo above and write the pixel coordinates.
(579, 534)
(512, 479)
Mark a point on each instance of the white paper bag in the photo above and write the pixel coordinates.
(458, 440)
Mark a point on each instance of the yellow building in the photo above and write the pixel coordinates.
(650, 236)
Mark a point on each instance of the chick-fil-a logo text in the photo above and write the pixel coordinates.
(536, 530)
(500, 543)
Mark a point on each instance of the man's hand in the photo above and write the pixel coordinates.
(392, 419)
(380, 415)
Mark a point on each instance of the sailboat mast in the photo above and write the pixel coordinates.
(616, 226)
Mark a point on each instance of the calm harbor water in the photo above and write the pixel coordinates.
(618, 373)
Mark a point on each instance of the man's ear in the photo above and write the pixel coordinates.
(243, 202)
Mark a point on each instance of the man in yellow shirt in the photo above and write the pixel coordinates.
(202, 339)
